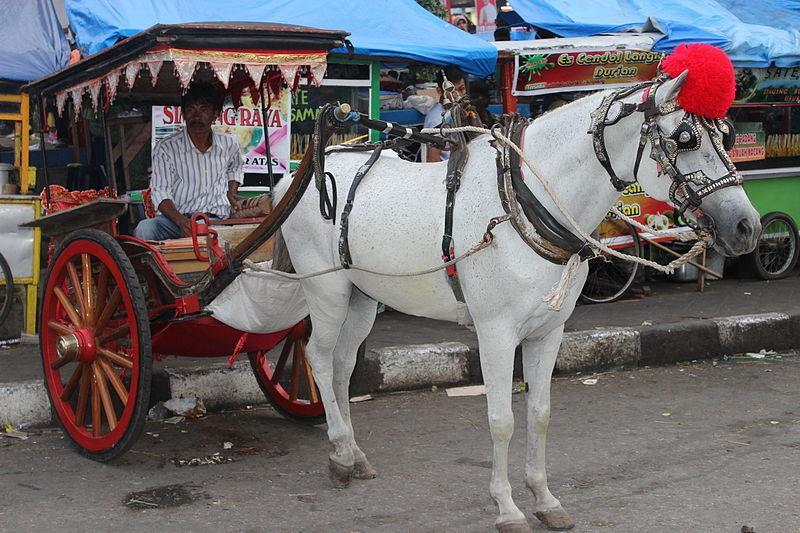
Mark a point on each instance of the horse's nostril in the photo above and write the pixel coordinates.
(745, 228)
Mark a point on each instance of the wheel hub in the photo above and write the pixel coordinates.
(79, 345)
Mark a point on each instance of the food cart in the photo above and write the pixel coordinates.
(766, 113)
(112, 303)
(545, 73)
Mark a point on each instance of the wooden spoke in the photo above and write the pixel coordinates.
(312, 387)
(96, 420)
(74, 379)
(116, 358)
(297, 361)
(83, 397)
(61, 361)
(119, 387)
(88, 288)
(108, 310)
(287, 347)
(108, 406)
(76, 288)
(115, 333)
(59, 328)
(102, 289)
(68, 307)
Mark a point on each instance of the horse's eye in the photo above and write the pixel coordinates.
(728, 134)
(685, 137)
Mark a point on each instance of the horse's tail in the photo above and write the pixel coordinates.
(280, 254)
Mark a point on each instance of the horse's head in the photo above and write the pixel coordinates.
(688, 164)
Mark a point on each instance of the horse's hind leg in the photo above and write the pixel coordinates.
(497, 364)
(356, 327)
(328, 302)
(539, 358)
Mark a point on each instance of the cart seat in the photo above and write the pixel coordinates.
(180, 255)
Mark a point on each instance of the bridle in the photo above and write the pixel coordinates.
(687, 190)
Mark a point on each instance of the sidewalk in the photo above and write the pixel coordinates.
(675, 323)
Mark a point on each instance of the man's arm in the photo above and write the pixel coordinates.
(161, 189)
(235, 177)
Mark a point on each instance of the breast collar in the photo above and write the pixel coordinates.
(687, 190)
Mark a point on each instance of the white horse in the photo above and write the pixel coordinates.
(397, 225)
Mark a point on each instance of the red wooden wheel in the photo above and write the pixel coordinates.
(285, 377)
(95, 343)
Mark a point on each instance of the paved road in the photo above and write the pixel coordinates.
(726, 455)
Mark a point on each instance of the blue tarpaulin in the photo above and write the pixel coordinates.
(378, 28)
(32, 44)
(754, 33)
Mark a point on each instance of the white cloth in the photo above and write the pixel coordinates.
(259, 302)
(196, 181)
(433, 120)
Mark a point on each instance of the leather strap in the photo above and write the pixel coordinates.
(344, 243)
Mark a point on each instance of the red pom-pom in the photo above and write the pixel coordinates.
(710, 84)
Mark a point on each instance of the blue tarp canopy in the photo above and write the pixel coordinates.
(379, 28)
(32, 44)
(754, 33)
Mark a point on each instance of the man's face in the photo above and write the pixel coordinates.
(199, 116)
(461, 87)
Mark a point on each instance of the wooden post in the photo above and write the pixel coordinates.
(507, 82)
(701, 275)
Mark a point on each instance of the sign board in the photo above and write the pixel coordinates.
(486, 13)
(773, 85)
(582, 71)
(246, 124)
(635, 203)
(750, 142)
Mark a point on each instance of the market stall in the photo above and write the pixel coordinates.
(32, 45)
(760, 37)
(386, 30)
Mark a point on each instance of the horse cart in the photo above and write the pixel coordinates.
(112, 303)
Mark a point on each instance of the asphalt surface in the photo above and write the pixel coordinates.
(666, 303)
(711, 446)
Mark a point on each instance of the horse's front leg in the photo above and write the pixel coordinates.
(328, 308)
(497, 364)
(539, 358)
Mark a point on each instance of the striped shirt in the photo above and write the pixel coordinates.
(196, 181)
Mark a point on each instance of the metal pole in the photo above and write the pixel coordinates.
(42, 123)
(266, 142)
(111, 178)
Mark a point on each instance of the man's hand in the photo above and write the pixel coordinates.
(167, 207)
(185, 224)
(237, 203)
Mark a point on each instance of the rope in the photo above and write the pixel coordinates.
(485, 242)
(700, 245)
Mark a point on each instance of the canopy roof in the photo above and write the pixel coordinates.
(386, 29)
(32, 43)
(159, 63)
(754, 33)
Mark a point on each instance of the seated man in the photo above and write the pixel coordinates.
(194, 170)
(434, 117)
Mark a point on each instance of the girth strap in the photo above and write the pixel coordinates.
(344, 244)
(459, 156)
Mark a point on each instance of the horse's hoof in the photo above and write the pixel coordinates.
(555, 519)
(516, 526)
(340, 475)
(364, 471)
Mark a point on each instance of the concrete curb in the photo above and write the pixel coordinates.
(449, 363)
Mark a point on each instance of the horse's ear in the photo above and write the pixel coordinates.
(670, 89)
